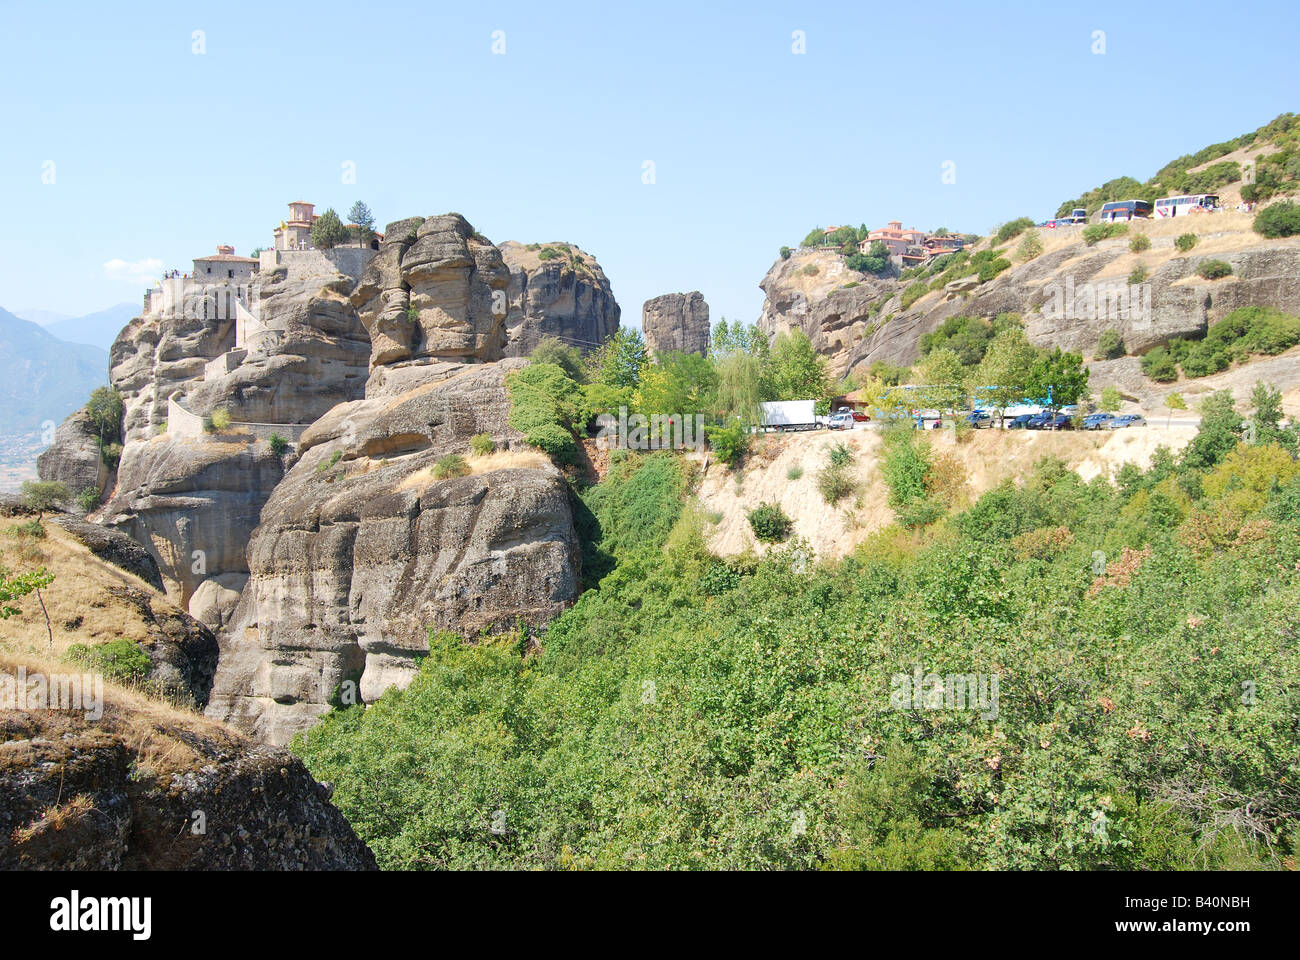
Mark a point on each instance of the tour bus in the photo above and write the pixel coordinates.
(1182, 206)
(1125, 210)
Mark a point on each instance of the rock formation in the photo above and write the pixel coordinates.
(84, 795)
(564, 295)
(73, 458)
(361, 549)
(676, 321)
(856, 320)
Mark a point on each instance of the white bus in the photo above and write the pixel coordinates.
(1182, 206)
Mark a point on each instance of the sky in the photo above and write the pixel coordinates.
(137, 137)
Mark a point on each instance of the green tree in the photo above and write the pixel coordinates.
(1030, 246)
(1111, 399)
(1266, 402)
(1110, 345)
(1003, 375)
(1174, 401)
(943, 375)
(1219, 433)
(619, 360)
(797, 370)
(328, 231)
(567, 358)
(42, 495)
(365, 220)
(1059, 377)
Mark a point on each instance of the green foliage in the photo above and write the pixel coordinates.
(770, 523)
(481, 444)
(549, 253)
(1214, 269)
(1030, 246)
(450, 465)
(729, 443)
(567, 358)
(796, 370)
(1159, 365)
(1185, 241)
(365, 220)
(1111, 399)
(278, 444)
(1011, 230)
(1110, 345)
(992, 268)
(875, 260)
(1278, 220)
(620, 360)
(42, 495)
(545, 406)
(120, 660)
(1095, 233)
(87, 499)
(220, 419)
(1139, 242)
(15, 586)
(913, 293)
(328, 231)
(785, 253)
(1219, 433)
(794, 473)
(746, 716)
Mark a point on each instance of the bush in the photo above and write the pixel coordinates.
(120, 660)
(549, 253)
(1159, 365)
(1139, 242)
(834, 484)
(1278, 220)
(794, 473)
(1185, 242)
(914, 293)
(1030, 247)
(452, 465)
(1137, 275)
(87, 499)
(278, 444)
(992, 268)
(1214, 269)
(220, 419)
(840, 456)
(770, 523)
(481, 444)
(1012, 229)
(42, 495)
(1110, 345)
(1094, 234)
(729, 444)
(785, 253)
(811, 270)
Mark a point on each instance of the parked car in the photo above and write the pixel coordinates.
(1021, 422)
(1097, 421)
(857, 415)
(1062, 421)
(1127, 420)
(840, 421)
(979, 419)
(1037, 420)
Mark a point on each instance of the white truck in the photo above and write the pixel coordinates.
(790, 415)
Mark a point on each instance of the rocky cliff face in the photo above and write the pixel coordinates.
(857, 320)
(73, 458)
(676, 322)
(565, 296)
(159, 791)
(361, 548)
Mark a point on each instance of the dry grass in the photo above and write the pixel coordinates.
(524, 459)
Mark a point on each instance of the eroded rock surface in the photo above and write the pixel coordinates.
(565, 296)
(676, 322)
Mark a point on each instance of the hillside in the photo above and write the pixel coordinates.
(42, 377)
(99, 329)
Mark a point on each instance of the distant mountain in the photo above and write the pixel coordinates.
(43, 317)
(43, 377)
(98, 329)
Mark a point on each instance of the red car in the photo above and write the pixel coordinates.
(858, 415)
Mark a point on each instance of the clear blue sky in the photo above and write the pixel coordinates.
(160, 153)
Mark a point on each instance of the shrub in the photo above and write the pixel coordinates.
(914, 293)
(1214, 269)
(1139, 242)
(42, 495)
(278, 444)
(1159, 365)
(785, 253)
(1137, 275)
(992, 268)
(1012, 229)
(840, 456)
(481, 444)
(87, 499)
(1030, 247)
(452, 465)
(1094, 234)
(794, 473)
(220, 419)
(811, 270)
(729, 444)
(1278, 220)
(1185, 241)
(549, 253)
(120, 660)
(834, 484)
(1111, 399)
(770, 523)
(1110, 345)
